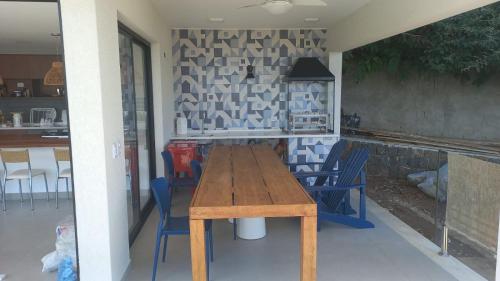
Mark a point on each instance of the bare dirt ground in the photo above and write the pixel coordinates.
(416, 209)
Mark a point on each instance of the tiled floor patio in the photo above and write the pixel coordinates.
(25, 237)
(391, 251)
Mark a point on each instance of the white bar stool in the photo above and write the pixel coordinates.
(62, 155)
(10, 157)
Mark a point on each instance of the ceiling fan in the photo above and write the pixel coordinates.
(277, 7)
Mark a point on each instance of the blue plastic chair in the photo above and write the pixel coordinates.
(175, 182)
(333, 199)
(196, 168)
(170, 225)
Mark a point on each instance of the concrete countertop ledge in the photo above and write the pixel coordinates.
(249, 134)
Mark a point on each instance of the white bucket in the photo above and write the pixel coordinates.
(251, 228)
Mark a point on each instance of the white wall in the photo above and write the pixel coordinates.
(380, 19)
(90, 34)
(335, 66)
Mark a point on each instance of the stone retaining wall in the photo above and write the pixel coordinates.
(398, 160)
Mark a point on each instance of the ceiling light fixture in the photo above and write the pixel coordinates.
(277, 7)
(216, 19)
(311, 19)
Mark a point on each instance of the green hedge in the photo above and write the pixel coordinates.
(466, 46)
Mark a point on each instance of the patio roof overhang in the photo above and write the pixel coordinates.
(380, 19)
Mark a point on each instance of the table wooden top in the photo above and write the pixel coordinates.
(248, 181)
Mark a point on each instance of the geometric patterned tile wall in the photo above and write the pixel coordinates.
(210, 76)
(302, 150)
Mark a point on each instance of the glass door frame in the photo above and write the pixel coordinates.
(148, 207)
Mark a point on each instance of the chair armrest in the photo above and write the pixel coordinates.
(294, 165)
(304, 163)
(302, 175)
(313, 188)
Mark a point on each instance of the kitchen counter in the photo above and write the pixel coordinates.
(29, 128)
(249, 134)
(21, 139)
(313, 146)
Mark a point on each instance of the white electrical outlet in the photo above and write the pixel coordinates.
(115, 150)
(119, 146)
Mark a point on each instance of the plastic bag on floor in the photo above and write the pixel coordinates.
(66, 271)
(65, 245)
(420, 177)
(429, 184)
(65, 242)
(50, 261)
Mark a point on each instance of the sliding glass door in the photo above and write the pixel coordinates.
(135, 66)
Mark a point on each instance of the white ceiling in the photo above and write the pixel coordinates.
(25, 27)
(195, 14)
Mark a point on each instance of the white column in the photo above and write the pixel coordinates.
(335, 91)
(90, 34)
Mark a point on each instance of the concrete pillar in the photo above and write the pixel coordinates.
(90, 35)
(335, 91)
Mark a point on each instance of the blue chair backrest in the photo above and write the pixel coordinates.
(161, 193)
(169, 163)
(353, 166)
(352, 169)
(196, 169)
(331, 160)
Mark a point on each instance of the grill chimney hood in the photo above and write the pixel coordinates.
(310, 69)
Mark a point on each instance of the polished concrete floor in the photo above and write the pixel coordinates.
(26, 236)
(391, 251)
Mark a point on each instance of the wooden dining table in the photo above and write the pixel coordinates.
(242, 181)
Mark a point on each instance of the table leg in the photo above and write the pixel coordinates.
(308, 248)
(198, 258)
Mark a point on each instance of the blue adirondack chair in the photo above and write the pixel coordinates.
(331, 165)
(333, 199)
(169, 225)
(196, 168)
(175, 182)
(328, 165)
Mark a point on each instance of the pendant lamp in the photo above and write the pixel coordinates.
(55, 75)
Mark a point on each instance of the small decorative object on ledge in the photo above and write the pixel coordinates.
(55, 75)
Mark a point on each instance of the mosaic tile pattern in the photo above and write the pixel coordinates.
(301, 150)
(210, 76)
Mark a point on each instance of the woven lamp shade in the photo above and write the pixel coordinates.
(55, 75)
